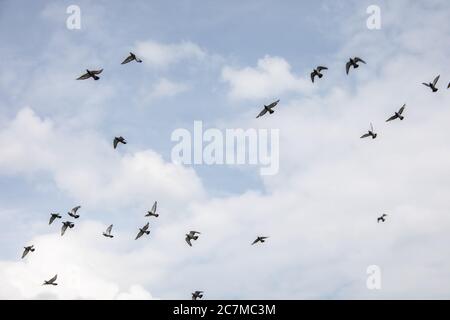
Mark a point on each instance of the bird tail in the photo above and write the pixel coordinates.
(435, 89)
(271, 111)
(401, 117)
(95, 77)
(32, 250)
(156, 215)
(147, 232)
(374, 135)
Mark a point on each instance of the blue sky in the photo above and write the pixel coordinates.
(219, 62)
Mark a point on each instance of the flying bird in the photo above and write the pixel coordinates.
(54, 216)
(382, 218)
(191, 236)
(107, 233)
(317, 72)
(353, 63)
(197, 295)
(130, 58)
(432, 85)
(51, 281)
(90, 74)
(66, 224)
(268, 108)
(73, 212)
(448, 85)
(27, 249)
(398, 115)
(370, 133)
(152, 212)
(260, 239)
(142, 231)
(118, 140)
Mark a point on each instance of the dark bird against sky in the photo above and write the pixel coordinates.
(268, 108)
(54, 216)
(142, 231)
(152, 212)
(90, 74)
(259, 239)
(51, 281)
(370, 133)
(66, 224)
(118, 140)
(73, 212)
(107, 233)
(432, 85)
(317, 72)
(130, 58)
(192, 235)
(27, 249)
(197, 295)
(398, 114)
(353, 63)
(382, 218)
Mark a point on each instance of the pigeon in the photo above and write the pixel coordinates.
(353, 63)
(448, 87)
(191, 236)
(398, 115)
(260, 239)
(268, 108)
(27, 249)
(153, 211)
(54, 216)
(90, 74)
(107, 233)
(66, 224)
(197, 295)
(51, 281)
(73, 212)
(117, 140)
(316, 72)
(142, 231)
(432, 85)
(130, 58)
(370, 133)
(382, 218)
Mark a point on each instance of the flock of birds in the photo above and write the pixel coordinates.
(194, 235)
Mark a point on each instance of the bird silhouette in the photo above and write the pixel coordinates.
(317, 72)
(130, 58)
(73, 212)
(268, 108)
(369, 133)
(27, 249)
(90, 74)
(152, 212)
(382, 218)
(398, 114)
(54, 216)
(197, 295)
(192, 235)
(259, 239)
(353, 63)
(432, 85)
(118, 140)
(143, 231)
(66, 224)
(107, 233)
(51, 281)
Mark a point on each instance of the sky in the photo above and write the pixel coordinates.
(219, 62)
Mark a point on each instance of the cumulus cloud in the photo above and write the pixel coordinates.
(167, 88)
(161, 55)
(272, 76)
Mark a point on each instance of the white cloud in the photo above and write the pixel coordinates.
(167, 88)
(271, 77)
(162, 55)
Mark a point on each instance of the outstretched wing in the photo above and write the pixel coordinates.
(63, 229)
(188, 240)
(359, 60)
(365, 135)
(108, 230)
(84, 76)
(145, 227)
(436, 80)
(256, 240)
(53, 279)
(347, 66)
(128, 59)
(115, 142)
(392, 118)
(313, 75)
(154, 207)
(426, 84)
(97, 71)
(402, 109)
(25, 252)
(263, 112)
(52, 218)
(140, 233)
(192, 233)
(320, 68)
(74, 210)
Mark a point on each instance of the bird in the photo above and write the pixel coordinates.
(54, 216)
(142, 231)
(73, 212)
(27, 249)
(370, 133)
(316, 72)
(382, 218)
(260, 239)
(152, 212)
(90, 74)
(117, 140)
(432, 85)
(268, 108)
(66, 224)
(51, 281)
(398, 115)
(191, 236)
(130, 58)
(353, 63)
(197, 295)
(107, 233)
(448, 85)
